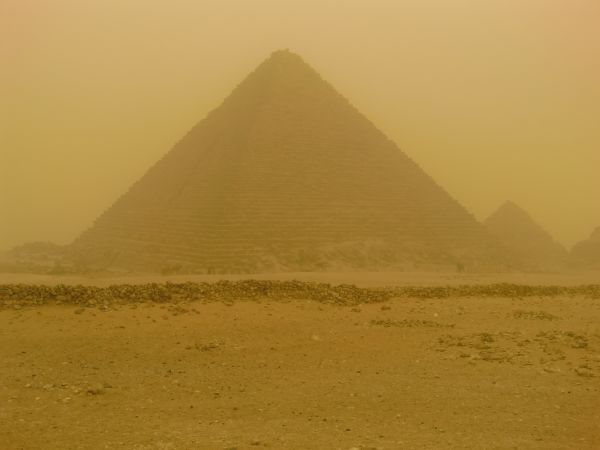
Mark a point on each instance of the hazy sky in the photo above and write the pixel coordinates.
(496, 99)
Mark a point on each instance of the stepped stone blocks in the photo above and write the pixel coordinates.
(529, 245)
(586, 254)
(285, 175)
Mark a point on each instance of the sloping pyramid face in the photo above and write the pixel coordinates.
(529, 245)
(586, 254)
(284, 175)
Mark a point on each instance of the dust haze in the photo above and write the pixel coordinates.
(496, 100)
(299, 225)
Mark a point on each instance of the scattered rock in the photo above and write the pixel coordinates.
(534, 315)
(410, 323)
(584, 372)
(97, 389)
(19, 295)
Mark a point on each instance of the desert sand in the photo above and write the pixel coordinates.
(413, 373)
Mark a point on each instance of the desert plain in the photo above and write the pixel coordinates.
(424, 369)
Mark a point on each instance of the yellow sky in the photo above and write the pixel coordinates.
(495, 99)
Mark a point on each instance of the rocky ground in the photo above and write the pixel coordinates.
(244, 365)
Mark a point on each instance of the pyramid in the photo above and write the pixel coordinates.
(586, 254)
(285, 175)
(529, 245)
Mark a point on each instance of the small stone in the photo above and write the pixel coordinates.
(95, 390)
(584, 372)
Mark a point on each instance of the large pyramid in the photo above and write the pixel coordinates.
(528, 244)
(586, 254)
(285, 175)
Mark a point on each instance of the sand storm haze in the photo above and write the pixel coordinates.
(501, 95)
(299, 225)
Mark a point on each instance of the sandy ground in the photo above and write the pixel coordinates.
(406, 374)
(362, 279)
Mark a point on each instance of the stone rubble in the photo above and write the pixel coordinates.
(16, 296)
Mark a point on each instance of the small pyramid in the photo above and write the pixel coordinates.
(529, 245)
(586, 254)
(285, 175)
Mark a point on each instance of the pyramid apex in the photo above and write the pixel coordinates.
(510, 216)
(509, 204)
(282, 52)
(285, 55)
(508, 209)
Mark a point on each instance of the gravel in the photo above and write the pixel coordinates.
(16, 296)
